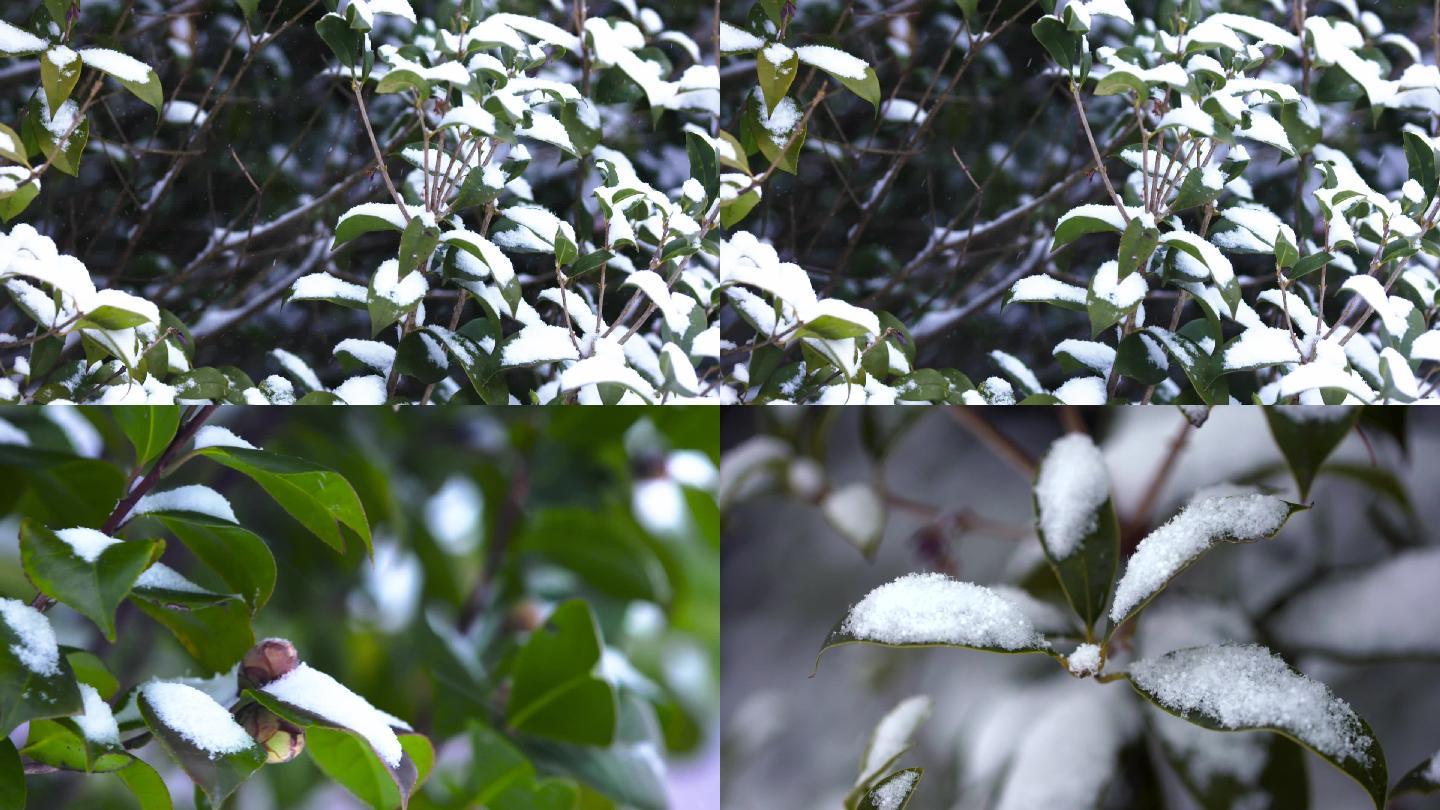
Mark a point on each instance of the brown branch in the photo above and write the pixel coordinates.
(998, 443)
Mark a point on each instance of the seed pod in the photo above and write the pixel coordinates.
(281, 739)
(267, 661)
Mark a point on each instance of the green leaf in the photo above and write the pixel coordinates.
(1310, 264)
(145, 785)
(1421, 158)
(867, 87)
(214, 628)
(1087, 572)
(352, 226)
(1205, 371)
(348, 759)
(148, 90)
(247, 7)
(12, 777)
(614, 559)
(703, 163)
(1134, 360)
(1307, 437)
(59, 82)
(627, 772)
(89, 669)
(239, 557)
(414, 358)
(62, 489)
(319, 498)
(216, 776)
(202, 383)
(909, 778)
(1137, 243)
(1193, 192)
(149, 428)
(1420, 780)
(61, 744)
(1184, 671)
(417, 244)
(554, 692)
(93, 588)
(343, 41)
(1074, 226)
(15, 150)
(776, 77)
(1061, 43)
(26, 695)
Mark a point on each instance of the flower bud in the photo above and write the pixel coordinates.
(281, 739)
(267, 661)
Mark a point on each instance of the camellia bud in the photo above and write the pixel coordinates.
(267, 661)
(282, 740)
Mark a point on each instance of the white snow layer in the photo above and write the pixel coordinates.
(1085, 660)
(190, 498)
(86, 543)
(196, 717)
(315, 692)
(1070, 489)
(935, 609)
(1068, 753)
(98, 722)
(216, 436)
(856, 511)
(162, 576)
(893, 735)
(1240, 686)
(1231, 518)
(35, 647)
(891, 795)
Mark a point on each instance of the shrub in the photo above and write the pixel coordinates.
(288, 132)
(418, 623)
(1109, 532)
(1203, 205)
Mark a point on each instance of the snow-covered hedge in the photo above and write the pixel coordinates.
(1245, 209)
(542, 180)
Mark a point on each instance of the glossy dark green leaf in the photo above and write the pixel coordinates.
(343, 41)
(1087, 572)
(216, 776)
(12, 776)
(1423, 779)
(775, 76)
(345, 757)
(27, 695)
(145, 785)
(149, 428)
(214, 628)
(1420, 156)
(1306, 437)
(91, 670)
(1059, 42)
(93, 588)
(64, 490)
(1366, 767)
(59, 743)
(901, 783)
(1134, 359)
(554, 692)
(626, 772)
(704, 166)
(236, 555)
(417, 244)
(319, 498)
(414, 358)
(1137, 244)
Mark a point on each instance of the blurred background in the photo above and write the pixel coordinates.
(614, 505)
(794, 741)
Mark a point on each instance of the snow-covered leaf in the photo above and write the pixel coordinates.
(1307, 434)
(1076, 522)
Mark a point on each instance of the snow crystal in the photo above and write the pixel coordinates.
(325, 287)
(893, 735)
(98, 722)
(891, 795)
(1266, 32)
(1261, 346)
(935, 609)
(216, 436)
(86, 543)
(364, 390)
(781, 121)
(162, 576)
(777, 54)
(1070, 488)
(378, 356)
(35, 646)
(1241, 686)
(1370, 289)
(190, 498)
(1041, 289)
(15, 41)
(1012, 366)
(61, 56)
(196, 717)
(1232, 518)
(1356, 614)
(1090, 353)
(123, 67)
(833, 61)
(856, 510)
(539, 343)
(402, 292)
(1085, 660)
(1082, 391)
(313, 691)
